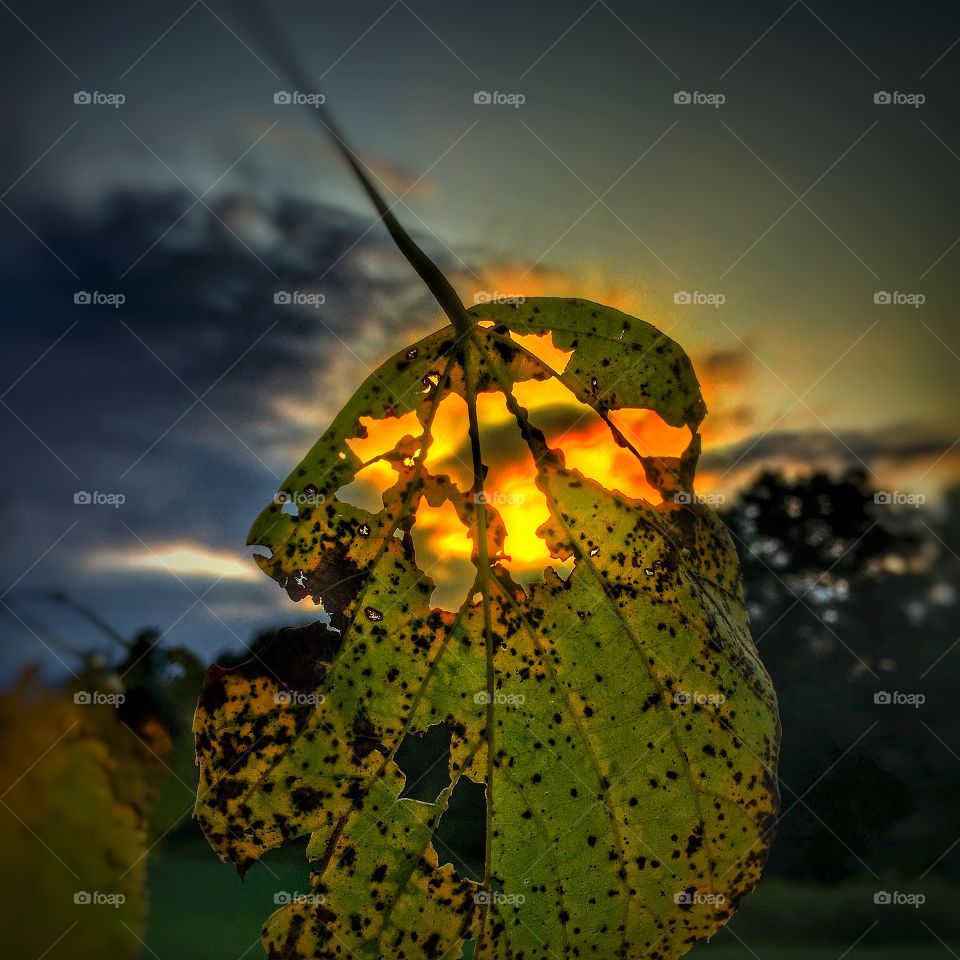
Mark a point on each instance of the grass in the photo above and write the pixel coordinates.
(200, 910)
(707, 952)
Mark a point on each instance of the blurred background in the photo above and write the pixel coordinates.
(193, 286)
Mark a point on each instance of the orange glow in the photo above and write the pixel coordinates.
(383, 435)
(447, 454)
(651, 435)
(592, 284)
(367, 489)
(443, 551)
(510, 484)
(441, 539)
(543, 348)
(440, 529)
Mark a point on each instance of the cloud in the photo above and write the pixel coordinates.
(193, 399)
(725, 367)
(108, 397)
(317, 153)
(197, 396)
(895, 445)
(190, 561)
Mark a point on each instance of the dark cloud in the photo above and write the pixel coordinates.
(899, 444)
(731, 365)
(112, 406)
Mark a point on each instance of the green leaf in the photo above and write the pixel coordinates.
(619, 718)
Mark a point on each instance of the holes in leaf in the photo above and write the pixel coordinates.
(443, 551)
(449, 451)
(591, 449)
(383, 435)
(650, 433)
(510, 487)
(367, 488)
(589, 445)
(424, 759)
(543, 348)
(460, 837)
(440, 536)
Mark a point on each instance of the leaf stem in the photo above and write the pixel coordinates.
(441, 288)
(453, 307)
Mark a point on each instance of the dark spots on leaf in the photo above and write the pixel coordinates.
(695, 841)
(596, 642)
(306, 799)
(365, 739)
(295, 658)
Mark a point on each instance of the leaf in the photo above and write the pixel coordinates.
(620, 719)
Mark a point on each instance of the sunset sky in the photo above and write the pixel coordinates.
(787, 211)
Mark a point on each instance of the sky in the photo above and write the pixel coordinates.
(797, 237)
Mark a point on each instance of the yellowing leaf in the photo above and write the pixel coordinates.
(614, 709)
